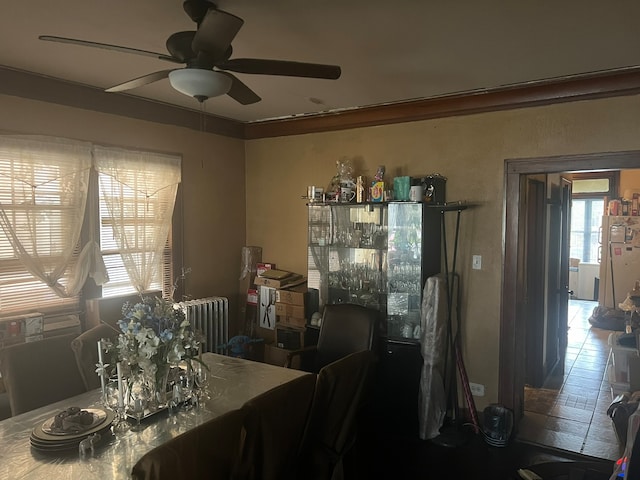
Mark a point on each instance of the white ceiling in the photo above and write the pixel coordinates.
(389, 51)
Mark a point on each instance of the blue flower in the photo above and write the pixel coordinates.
(166, 336)
(155, 332)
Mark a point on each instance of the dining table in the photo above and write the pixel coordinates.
(232, 382)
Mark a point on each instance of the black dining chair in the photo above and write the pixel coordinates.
(346, 328)
(208, 451)
(85, 349)
(274, 425)
(331, 429)
(41, 372)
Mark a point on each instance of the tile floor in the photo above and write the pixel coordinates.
(570, 412)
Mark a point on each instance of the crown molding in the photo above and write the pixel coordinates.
(570, 89)
(37, 87)
(532, 94)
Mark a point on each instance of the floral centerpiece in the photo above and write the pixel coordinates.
(155, 335)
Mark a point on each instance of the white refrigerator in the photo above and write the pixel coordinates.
(619, 260)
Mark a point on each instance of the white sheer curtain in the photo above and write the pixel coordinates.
(139, 189)
(43, 192)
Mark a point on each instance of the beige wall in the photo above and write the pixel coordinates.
(212, 180)
(629, 182)
(470, 151)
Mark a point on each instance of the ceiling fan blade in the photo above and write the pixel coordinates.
(281, 67)
(106, 46)
(215, 33)
(240, 92)
(140, 81)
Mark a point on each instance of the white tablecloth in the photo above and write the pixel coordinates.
(233, 381)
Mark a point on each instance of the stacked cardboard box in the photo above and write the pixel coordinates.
(294, 305)
(291, 315)
(278, 279)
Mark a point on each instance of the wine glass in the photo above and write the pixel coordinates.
(185, 381)
(139, 397)
(201, 380)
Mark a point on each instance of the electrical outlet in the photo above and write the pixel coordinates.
(477, 389)
(476, 262)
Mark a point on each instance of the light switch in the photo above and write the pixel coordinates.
(476, 263)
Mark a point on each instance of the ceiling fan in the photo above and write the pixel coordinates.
(206, 53)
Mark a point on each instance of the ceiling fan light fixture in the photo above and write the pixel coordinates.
(200, 84)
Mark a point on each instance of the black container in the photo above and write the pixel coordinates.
(434, 188)
(289, 339)
(498, 425)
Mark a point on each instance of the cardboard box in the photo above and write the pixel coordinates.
(33, 326)
(276, 274)
(295, 279)
(295, 322)
(290, 310)
(261, 267)
(295, 295)
(22, 326)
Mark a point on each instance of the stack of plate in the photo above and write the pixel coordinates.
(46, 438)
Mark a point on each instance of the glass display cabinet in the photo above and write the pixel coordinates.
(378, 255)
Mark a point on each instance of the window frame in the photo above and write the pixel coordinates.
(614, 182)
(54, 306)
(172, 253)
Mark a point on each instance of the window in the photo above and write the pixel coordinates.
(586, 219)
(137, 197)
(589, 193)
(44, 187)
(119, 282)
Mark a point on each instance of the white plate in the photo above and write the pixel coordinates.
(99, 416)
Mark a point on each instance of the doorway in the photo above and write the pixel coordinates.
(569, 411)
(512, 375)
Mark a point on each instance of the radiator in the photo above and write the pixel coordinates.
(211, 317)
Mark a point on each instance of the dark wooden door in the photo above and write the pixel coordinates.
(564, 292)
(554, 276)
(534, 301)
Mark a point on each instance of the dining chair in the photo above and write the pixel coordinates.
(208, 451)
(331, 429)
(85, 349)
(346, 328)
(273, 429)
(41, 372)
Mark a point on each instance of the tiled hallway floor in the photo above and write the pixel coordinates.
(570, 412)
